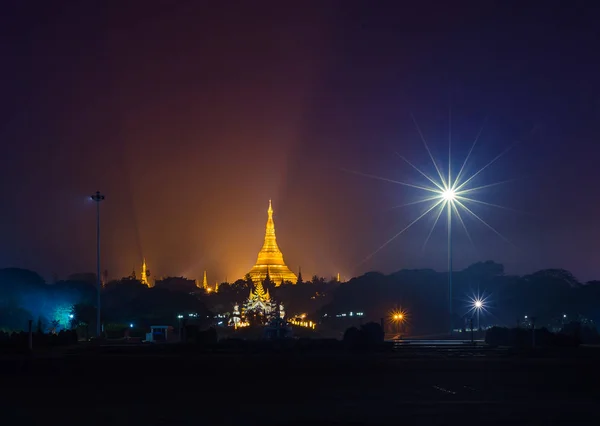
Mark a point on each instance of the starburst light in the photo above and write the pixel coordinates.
(445, 192)
(478, 304)
(453, 194)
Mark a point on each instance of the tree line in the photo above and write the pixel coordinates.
(549, 295)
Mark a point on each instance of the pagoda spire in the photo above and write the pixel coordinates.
(270, 259)
(270, 239)
(259, 290)
(204, 282)
(144, 277)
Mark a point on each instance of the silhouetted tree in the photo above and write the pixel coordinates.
(83, 277)
(373, 332)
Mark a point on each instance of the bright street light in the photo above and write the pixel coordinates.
(449, 192)
(478, 303)
(478, 307)
(399, 317)
(449, 195)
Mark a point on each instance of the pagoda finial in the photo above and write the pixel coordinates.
(259, 290)
(144, 277)
(270, 244)
(205, 282)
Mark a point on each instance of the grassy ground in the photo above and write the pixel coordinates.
(427, 387)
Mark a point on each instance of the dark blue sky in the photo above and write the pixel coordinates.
(189, 118)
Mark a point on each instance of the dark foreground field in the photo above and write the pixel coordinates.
(425, 388)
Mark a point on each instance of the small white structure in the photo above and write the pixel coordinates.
(158, 333)
(235, 317)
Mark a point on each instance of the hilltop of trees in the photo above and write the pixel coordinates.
(551, 296)
(24, 296)
(548, 295)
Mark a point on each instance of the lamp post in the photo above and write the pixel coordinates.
(401, 323)
(471, 326)
(449, 195)
(398, 317)
(98, 197)
(478, 306)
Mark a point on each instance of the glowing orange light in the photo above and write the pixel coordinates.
(398, 315)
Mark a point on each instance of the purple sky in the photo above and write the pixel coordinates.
(190, 118)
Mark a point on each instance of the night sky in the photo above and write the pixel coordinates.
(190, 117)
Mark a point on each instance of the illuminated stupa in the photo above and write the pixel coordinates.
(145, 275)
(270, 259)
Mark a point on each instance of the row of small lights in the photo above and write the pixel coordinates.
(351, 314)
(307, 324)
(71, 316)
(180, 316)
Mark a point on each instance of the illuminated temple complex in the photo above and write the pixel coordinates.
(259, 301)
(270, 259)
(260, 306)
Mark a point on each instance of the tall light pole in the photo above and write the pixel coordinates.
(449, 196)
(399, 317)
(98, 197)
(452, 192)
(478, 307)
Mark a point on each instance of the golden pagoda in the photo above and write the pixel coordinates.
(270, 259)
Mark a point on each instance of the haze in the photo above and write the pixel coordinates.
(189, 118)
